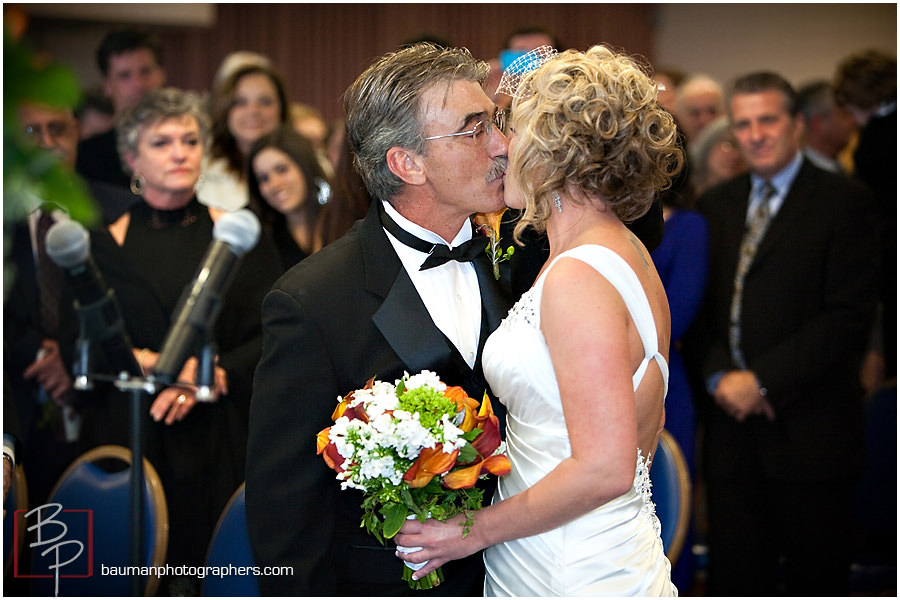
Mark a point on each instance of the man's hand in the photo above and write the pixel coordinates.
(51, 374)
(739, 395)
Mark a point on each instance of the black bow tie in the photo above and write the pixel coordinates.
(438, 254)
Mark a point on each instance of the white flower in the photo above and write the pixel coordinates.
(425, 378)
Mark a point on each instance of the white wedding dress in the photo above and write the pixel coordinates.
(615, 550)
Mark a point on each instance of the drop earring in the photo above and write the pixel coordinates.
(557, 201)
(137, 184)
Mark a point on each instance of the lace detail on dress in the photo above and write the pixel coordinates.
(642, 486)
(523, 311)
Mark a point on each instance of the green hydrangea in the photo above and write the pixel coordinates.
(429, 403)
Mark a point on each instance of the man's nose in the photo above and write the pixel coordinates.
(499, 143)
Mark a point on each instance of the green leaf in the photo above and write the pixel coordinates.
(394, 517)
(467, 454)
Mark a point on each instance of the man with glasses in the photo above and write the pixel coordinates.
(410, 287)
(38, 374)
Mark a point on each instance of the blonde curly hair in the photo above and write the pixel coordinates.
(593, 122)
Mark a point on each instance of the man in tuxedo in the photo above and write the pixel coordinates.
(784, 330)
(423, 133)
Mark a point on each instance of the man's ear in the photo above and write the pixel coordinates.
(406, 165)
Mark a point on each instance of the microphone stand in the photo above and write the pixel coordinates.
(92, 325)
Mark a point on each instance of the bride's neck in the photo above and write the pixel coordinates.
(576, 225)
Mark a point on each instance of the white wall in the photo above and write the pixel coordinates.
(800, 41)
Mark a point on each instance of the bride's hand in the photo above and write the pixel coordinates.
(439, 542)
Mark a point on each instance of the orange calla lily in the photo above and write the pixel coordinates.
(491, 220)
(489, 440)
(341, 407)
(322, 440)
(333, 458)
(467, 476)
(463, 402)
(431, 462)
(357, 412)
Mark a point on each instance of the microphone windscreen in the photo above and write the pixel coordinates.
(239, 229)
(68, 244)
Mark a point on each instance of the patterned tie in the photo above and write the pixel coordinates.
(756, 228)
(50, 278)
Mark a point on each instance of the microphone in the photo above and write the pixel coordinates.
(68, 245)
(234, 234)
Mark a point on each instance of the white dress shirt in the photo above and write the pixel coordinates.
(450, 291)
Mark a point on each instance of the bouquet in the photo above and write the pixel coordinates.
(416, 449)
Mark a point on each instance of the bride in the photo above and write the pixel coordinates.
(580, 361)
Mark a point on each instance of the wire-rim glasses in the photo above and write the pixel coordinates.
(498, 121)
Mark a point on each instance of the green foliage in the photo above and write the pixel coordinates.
(31, 175)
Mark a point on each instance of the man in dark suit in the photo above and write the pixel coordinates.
(37, 370)
(426, 146)
(783, 340)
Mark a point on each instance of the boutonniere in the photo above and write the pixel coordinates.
(488, 224)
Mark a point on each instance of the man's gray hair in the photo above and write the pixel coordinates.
(382, 106)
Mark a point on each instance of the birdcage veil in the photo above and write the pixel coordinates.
(513, 82)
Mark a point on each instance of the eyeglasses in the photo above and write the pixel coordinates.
(55, 130)
(499, 120)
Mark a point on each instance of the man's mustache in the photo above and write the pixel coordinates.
(498, 168)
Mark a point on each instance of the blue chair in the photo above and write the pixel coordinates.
(671, 493)
(95, 496)
(17, 498)
(230, 547)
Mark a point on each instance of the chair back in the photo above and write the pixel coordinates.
(95, 503)
(13, 529)
(671, 493)
(230, 547)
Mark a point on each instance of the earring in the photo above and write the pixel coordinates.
(137, 184)
(199, 183)
(557, 201)
(324, 193)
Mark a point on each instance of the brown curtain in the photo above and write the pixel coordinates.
(321, 48)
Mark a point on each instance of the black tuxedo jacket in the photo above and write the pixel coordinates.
(338, 318)
(808, 303)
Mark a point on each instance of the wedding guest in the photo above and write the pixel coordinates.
(288, 190)
(699, 100)
(828, 127)
(131, 63)
(310, 123)
(581, 361)
(715, 156)
(249, 103)
(866, 85)
(682, 260)
(669, 78)
(422, 130)
(95, 114)
(349, 199)
(790, 299)
(148, 256)
(237, 60)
